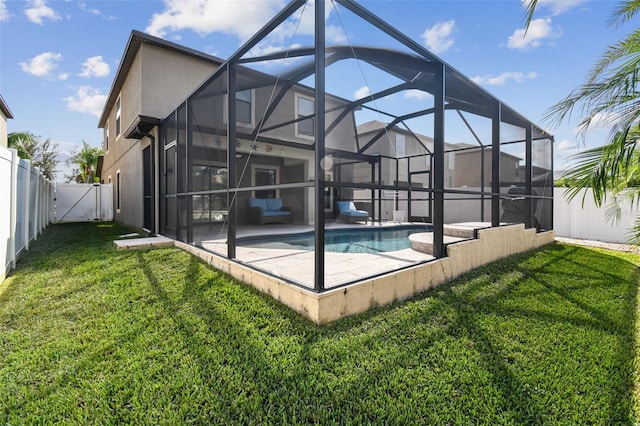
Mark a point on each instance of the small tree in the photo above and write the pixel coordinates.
(85, 164)
(42, 153)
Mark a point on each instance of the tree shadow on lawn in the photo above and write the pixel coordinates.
(501, 344)
(544, 337)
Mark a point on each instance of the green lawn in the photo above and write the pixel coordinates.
(93, 335)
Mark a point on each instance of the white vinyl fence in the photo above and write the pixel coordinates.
(83, 202)
(26, 207)
(29, 203)
(588, 222)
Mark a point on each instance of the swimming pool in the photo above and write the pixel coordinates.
(364, 240)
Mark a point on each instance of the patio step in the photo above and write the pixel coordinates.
(423, 241)
(464, 229)
(136, 243)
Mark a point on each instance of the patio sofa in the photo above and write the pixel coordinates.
(268, 210)
(347, 212)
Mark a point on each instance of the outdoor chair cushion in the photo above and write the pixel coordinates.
(274, 204)
(258, 202)
(348, 208)
(278, 213)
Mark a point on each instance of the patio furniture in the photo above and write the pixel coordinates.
(347, 211)
(268, 210)
(515, 205)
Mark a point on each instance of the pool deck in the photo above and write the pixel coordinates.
(297, 266)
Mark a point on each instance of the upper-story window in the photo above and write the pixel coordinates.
(118, 117)
(305, 108)
(244, 107)
(106, 137)
(399, 145)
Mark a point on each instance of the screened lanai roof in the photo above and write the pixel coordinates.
(461, 93)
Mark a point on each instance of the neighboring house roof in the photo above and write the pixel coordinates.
(5, 108)
(376, 126)
(136, 39)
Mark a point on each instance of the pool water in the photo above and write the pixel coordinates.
(368, 240)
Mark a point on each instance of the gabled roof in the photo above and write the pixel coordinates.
(5, 109)
(136, 39)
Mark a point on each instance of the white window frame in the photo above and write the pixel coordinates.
(268, 167)
(225, 117)
(106, 137)
(118, 116)
(299, 96)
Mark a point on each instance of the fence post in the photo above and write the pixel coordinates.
(27, 198)
(36, 213)
(13, 201)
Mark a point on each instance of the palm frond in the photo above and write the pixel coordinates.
(625, 11)
(625, 47)
(605, 169)
(634, 232)
(530, 8)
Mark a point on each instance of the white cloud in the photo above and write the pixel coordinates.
(94, 11)
(240, 18)
(42, 65)
(4, 12)
(362, 92)
(417, 94)
(95, 67)
(86, 100)
(336, 35)
(566, 148)
(439, 38)
(63, 76)
(38, 11)
(539, 30)
(557, 6)
(502, 79)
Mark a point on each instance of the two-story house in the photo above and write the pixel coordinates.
(5, 114)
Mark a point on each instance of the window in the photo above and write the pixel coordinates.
(244, 108)
(399, 145)
(118, 191)
(262, 176)
(118, 117)
(106, 137)
(305, 108)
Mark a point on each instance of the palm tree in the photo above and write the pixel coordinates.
(86, 161)
(609, 96)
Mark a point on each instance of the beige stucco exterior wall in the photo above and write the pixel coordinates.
(3, 130)
(168, 78)
(468, 167)
(157, 81)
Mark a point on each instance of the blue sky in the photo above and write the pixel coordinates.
(58, 58)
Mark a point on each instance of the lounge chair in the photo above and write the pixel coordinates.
(347, 211)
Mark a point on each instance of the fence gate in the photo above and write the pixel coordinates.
(83, 202)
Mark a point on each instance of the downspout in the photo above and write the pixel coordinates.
(152, 164)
